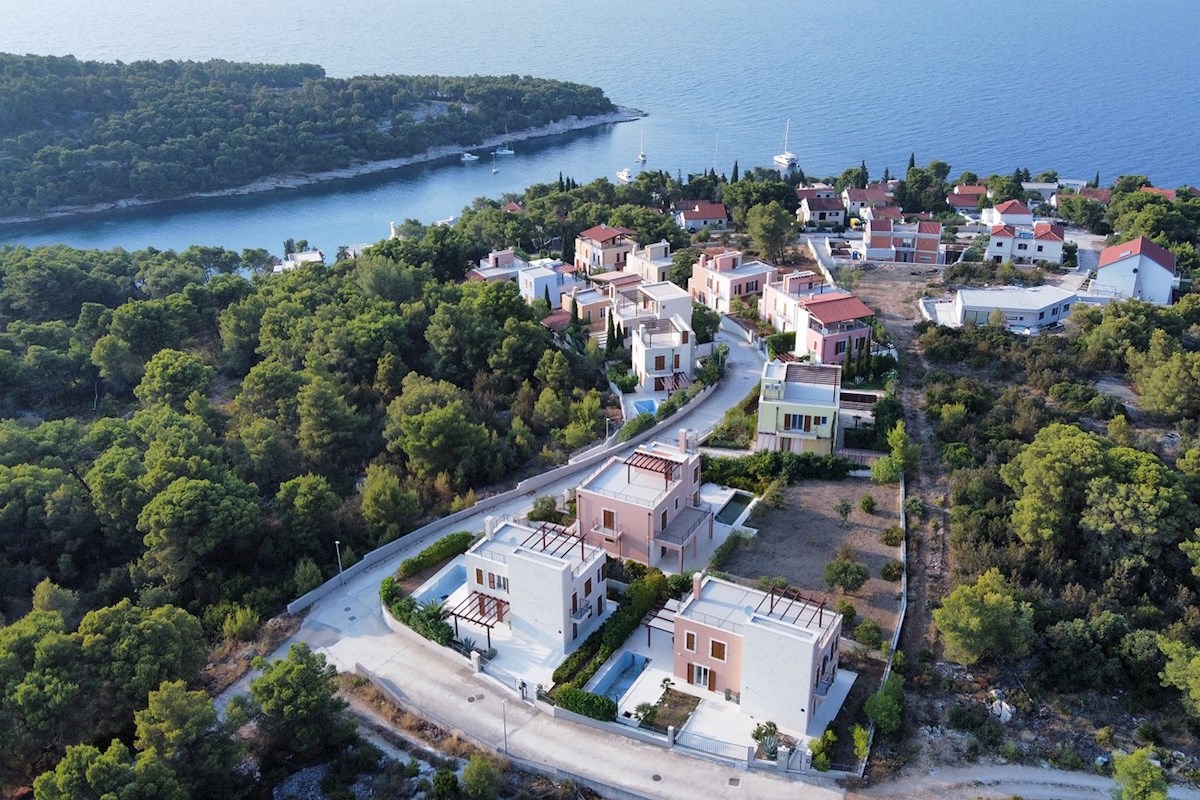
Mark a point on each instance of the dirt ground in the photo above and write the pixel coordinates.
(798, 539)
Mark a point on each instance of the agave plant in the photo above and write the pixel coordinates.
(770, 746)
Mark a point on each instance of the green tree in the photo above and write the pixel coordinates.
(388, 508)
(329, 429)
(1182, 671)
(479, 778)
(306, 506)
(86, 773)
(886, 707)
(1137, 777)
(49, 596)
(182, 728)
(772, 227)
(307, 576)
(299, 716)
(984, 619)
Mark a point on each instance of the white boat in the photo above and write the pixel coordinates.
(504, 149)
(785, 159)
(625, 175)
(642, 150)
(468, 157)
(495, 169)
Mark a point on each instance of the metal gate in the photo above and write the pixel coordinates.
(716, 747)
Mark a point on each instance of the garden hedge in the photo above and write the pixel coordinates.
(586, 703)
(443, 549)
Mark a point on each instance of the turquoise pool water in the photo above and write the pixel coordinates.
(645, 406)
(734, 507)
(617, 682)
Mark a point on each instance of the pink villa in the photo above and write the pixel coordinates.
(910, 243)
(601, 248)
(721, 275)
(777, 651)
(781, 299)
(646, 506)
(833, 327)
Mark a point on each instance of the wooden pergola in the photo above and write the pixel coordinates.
(653, 463)
(480, 609)
(775, 599)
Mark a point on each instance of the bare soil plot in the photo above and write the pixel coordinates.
(798, 539)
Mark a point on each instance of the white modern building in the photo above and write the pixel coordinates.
(1010, 212)
(1140, 270)
(547, 277)
(545, 583)
(663, 353)
(1026, 310)
(1023, 245)
(652, 262)
(781, 299)
(650, 301)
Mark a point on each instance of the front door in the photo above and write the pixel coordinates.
(700, 676)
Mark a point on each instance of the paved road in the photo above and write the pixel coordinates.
(1013, 780)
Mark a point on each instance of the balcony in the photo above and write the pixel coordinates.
(584, 609)
(823, 686)
(610, 534)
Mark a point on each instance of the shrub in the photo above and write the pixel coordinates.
(623, 379)
(545, 509)
(679, 585)
(767, 583)
(867, 503)
(914, 507)
(779, 343)
(843, 510)
(821, 749)
(754, 473)
(307, 576)
(862, 742)
(892, 536)
(645, 713)
(240, 624)
(846, 574)
(440, 551)
(479, 779)
(868, 633)
(586, 703)
(886, 707)
(445, 784)
(847, 610)
(639, 424)
(887, 470)
(892, 570)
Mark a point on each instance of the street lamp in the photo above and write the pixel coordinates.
(338, 546)
(504, 716)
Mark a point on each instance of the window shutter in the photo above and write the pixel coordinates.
(691, 673)
(712, 681)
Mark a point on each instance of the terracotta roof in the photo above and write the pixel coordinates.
(929, 227)
(837, 308)
(615, 278)
(558, 321)
(705, 210)
(1012, 207)
(1140, 246)
(1099, 195)
(871, 194)
(512, 207)
(962, 200)
(823, 204)
(970, 189)
(887, 212)
(603, 233)
(1004, 230)
(1167, 193)
(879, 226)
(801, 194)
(1048, 232)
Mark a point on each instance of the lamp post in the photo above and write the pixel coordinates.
(504, 716)
(338, 546)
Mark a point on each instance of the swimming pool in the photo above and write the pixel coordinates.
(645, 406)
(621, 676)
(733, 508)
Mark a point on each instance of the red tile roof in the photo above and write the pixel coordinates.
(970, 189)
(1012, 207)
(1140, 246)
(1167, 193)
(837, 308)
(1099, 195)
(872, 194)
(887, 212)
(823, 204)
(1048, 232)
(879, 226)
(1004, 230)
(929, 227)
(602, 234)
(962, 200)
(512, 207)
(705, 210)
(558, 321)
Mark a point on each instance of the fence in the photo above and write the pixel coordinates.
(715, 747)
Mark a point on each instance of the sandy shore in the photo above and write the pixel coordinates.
(297, 180)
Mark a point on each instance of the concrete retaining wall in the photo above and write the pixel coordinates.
(610, 727)
(422, 536)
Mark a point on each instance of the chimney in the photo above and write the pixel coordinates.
(697, 579)
(489, 527)
(683, 440)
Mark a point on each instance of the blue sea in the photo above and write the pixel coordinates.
(1075, 85)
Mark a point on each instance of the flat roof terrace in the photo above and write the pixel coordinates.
(730, 606)
(642, 478)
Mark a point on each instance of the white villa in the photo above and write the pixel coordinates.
(1139, 269)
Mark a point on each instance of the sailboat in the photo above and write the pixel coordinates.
(641, 159)
(785, 159)
(504, 149)
(469, 157)
(495, 169)
(625, 175)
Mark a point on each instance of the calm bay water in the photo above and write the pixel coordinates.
(1077, 85)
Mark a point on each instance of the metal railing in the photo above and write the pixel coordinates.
(606, 532)
(714, 747)
(582, 611)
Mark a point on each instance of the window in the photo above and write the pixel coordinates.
(660, 362)
(602, 311)
(609, 519)
(860, 343)
(737, 288)
(685, 336)
(1065, 307)
(491, 580)
(663, 527)
(676, 362)
(752, 286)
(689, 642)
(839, 348)
(716, 650)
(1041, 315)
(502, 583)
(696, 475)
(1054, 310)
(574, 631)
(574, 602)
(1022, 246)
(602, 573)
(587, 588)
(1039, 248)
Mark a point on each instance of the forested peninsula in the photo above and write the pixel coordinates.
(78, 134)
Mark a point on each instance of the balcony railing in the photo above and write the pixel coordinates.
(608, 533)
(823, 687)
(583, 610)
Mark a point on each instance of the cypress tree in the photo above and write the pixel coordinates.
(912, 162)
(733, 176)
(610, 336)
(1096, 180)
(863, 178)
(546, 296)
(887, 175)
(574, 313)
(561, 186)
